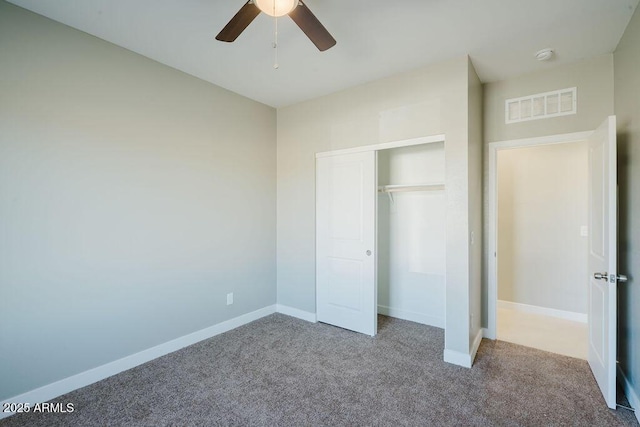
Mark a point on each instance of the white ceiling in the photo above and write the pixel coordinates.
(376, 38)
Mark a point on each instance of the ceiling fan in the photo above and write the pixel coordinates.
(296, 9)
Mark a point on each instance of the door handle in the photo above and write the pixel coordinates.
(613, 279)
(601, 276)
(621, 278)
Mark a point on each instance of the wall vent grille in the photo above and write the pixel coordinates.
(561, 102)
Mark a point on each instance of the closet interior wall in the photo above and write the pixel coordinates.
(411, 233)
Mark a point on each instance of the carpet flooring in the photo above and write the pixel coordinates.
(281, 371)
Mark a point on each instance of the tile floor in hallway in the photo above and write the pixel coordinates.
(543, 332)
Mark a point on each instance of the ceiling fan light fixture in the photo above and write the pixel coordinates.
(302, 17)
(276, 7)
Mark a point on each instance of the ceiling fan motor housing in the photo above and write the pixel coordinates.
(276, 7)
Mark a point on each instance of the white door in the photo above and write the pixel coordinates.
(603, 258)
(346, 190)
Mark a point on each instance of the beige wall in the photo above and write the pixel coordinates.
(542, 203)
(428, 101)
(627, 108)
(593, 78)
(133, 197)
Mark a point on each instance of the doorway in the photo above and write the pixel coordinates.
(602, 274)
(542, 217)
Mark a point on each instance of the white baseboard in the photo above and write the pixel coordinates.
(294, 312)
(458, 358)
(462, 359)
(66, 385)
(631, 394)
(544, 311)
(411, 316)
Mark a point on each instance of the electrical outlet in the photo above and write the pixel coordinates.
(230, 298)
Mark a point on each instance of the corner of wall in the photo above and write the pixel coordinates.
(475, 118)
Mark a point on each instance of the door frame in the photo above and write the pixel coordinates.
(492, 259)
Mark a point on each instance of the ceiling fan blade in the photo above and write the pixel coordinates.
(310, 25)
(239, 22)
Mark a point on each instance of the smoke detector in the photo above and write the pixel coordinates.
(544, 54)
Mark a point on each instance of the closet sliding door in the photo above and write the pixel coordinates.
(346, 189)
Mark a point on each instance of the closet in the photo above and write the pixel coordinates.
(411, 233)
(380, 235)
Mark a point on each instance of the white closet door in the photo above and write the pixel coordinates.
(346, 189)
(602, 258)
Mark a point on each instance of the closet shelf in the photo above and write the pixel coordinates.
(410, 187)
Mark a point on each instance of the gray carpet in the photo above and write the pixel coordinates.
(281, 371)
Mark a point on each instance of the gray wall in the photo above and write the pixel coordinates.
(132, 199)
(428, 101)
(627, 107)
(594, 80)
(542, 204)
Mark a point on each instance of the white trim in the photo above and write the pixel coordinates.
(91, 376)
(384, 146)
(492, 259)
(412, 316)
(492, 155)
(462, 359)
(634, 401)
(541, 140)
(458, 358)
(295, 312)
(544, 311)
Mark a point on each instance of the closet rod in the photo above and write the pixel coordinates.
(412, 187)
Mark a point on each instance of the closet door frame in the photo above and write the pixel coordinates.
(384, 146)
(375, 148)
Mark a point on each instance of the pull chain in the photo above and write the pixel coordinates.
(275, 41)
